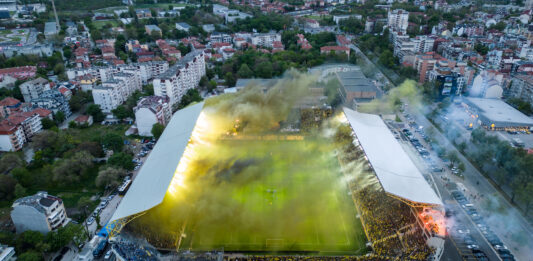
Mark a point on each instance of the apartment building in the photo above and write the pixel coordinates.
(217, 37)
(30, 122)
(184, 75)
(265, 39)
(398, 20)
(8, 106)
(522, 87)
(145, 70)
(151, 110)
(54, 101)
(19, 73)
(131, 81)
(109, 95)
(33, 89)
(40, 212)
(11, 136)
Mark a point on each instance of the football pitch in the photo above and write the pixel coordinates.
(268, 196)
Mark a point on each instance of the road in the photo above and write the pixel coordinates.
(454, 247)
(503, 218)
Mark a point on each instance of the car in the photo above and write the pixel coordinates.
(90, 221)
(108, 255)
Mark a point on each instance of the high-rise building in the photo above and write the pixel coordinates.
(398, 20)
(184, 75)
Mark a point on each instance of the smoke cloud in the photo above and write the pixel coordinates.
(407, 91)
(244, 185)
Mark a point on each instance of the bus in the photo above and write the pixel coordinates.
(124, 187)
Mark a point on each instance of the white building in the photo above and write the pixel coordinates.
(398, 20)
(217, 37)
(338, 18)
(40, 212)
(265, 39)
(183, 27)
(233, 15)
(11, 136)
(145, 70)
(109, 95)
(7, 253)
(9, 5)
(33, 89)
(184, 75)
(151, 110)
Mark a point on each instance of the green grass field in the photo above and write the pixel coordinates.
(265, 196)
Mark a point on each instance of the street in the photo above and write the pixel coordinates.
(509, 225)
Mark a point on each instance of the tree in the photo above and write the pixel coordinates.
(20, 191)
(29, 256)
(59, 116)
(211, 85)
(70, 170)
(245, 72)
(203, 81)
(47, 123)
(10, 161)
(84, 202)
(263, 70)
(229, 79)
(121, 112)
(7, 187)
(121, 159)
(95, 111)
(157, 130)
(109, 177)
(192, 95)
(113, 142)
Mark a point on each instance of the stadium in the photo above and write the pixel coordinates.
(262, 174)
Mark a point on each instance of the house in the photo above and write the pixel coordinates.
(143, 13)
(151, 110)
(40, 212)
(335, 49)
(183, 27)
(33, 89)
(84, 120)
(152, 28)
(209, 28)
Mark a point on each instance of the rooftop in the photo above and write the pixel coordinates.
(394, 169)
(498, 112)
(39, 201)
(355, 81)
(150, 186)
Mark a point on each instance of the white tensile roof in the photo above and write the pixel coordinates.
(151, 184)
(395, 170)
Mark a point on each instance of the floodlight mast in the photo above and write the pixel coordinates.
(55, 14)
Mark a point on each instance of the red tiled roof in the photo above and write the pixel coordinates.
(334, 48)
(7, 128)
(82, 118)
(42, 112)
(9, 101)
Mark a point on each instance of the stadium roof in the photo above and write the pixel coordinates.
(499, 113)
(151, 184)
(395, 170)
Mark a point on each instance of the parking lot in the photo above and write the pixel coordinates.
(468, 232)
